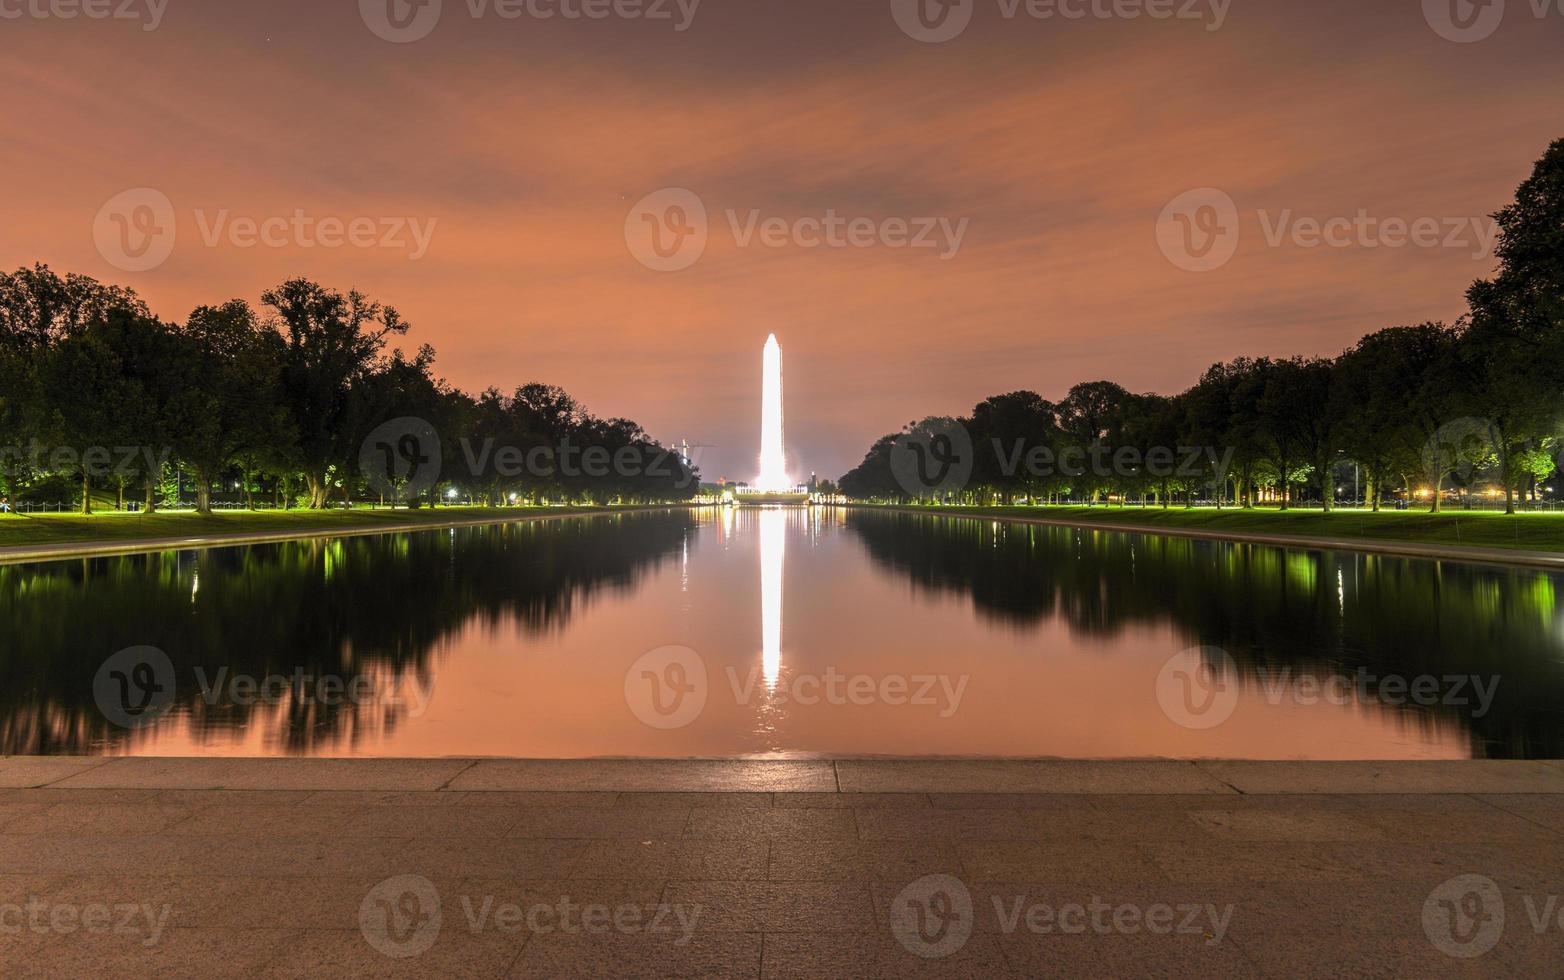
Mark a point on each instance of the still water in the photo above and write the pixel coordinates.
(784, 632)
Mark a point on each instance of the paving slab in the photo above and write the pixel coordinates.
(1021, 776)
(1438, 776)
(649, 775)
(779, 883)
(277, 774)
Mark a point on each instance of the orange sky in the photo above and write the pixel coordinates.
(526, 142)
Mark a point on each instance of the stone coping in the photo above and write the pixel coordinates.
(1398, 549)
(1040, 776)
(14, 554)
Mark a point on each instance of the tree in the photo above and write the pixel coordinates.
(1005, 429)
(1513, 353)
(230, 398)
(1089, 415)
(1299, 424)
(332, 342)
(82, 388)
(1370, 401)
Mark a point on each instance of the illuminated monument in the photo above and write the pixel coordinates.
(773, 484)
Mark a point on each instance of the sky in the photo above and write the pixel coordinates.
(925, 210)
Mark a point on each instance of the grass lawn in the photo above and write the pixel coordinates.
(45, 529)
(1478, 529)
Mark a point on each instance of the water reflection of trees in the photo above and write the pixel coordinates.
(1270, 608)
(365, 607)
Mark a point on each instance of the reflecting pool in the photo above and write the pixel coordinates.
(785, 632)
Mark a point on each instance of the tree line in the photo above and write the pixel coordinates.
(279, 404)
(1424, 411)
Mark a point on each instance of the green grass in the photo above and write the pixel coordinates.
(118, 528)
(1478, 529)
